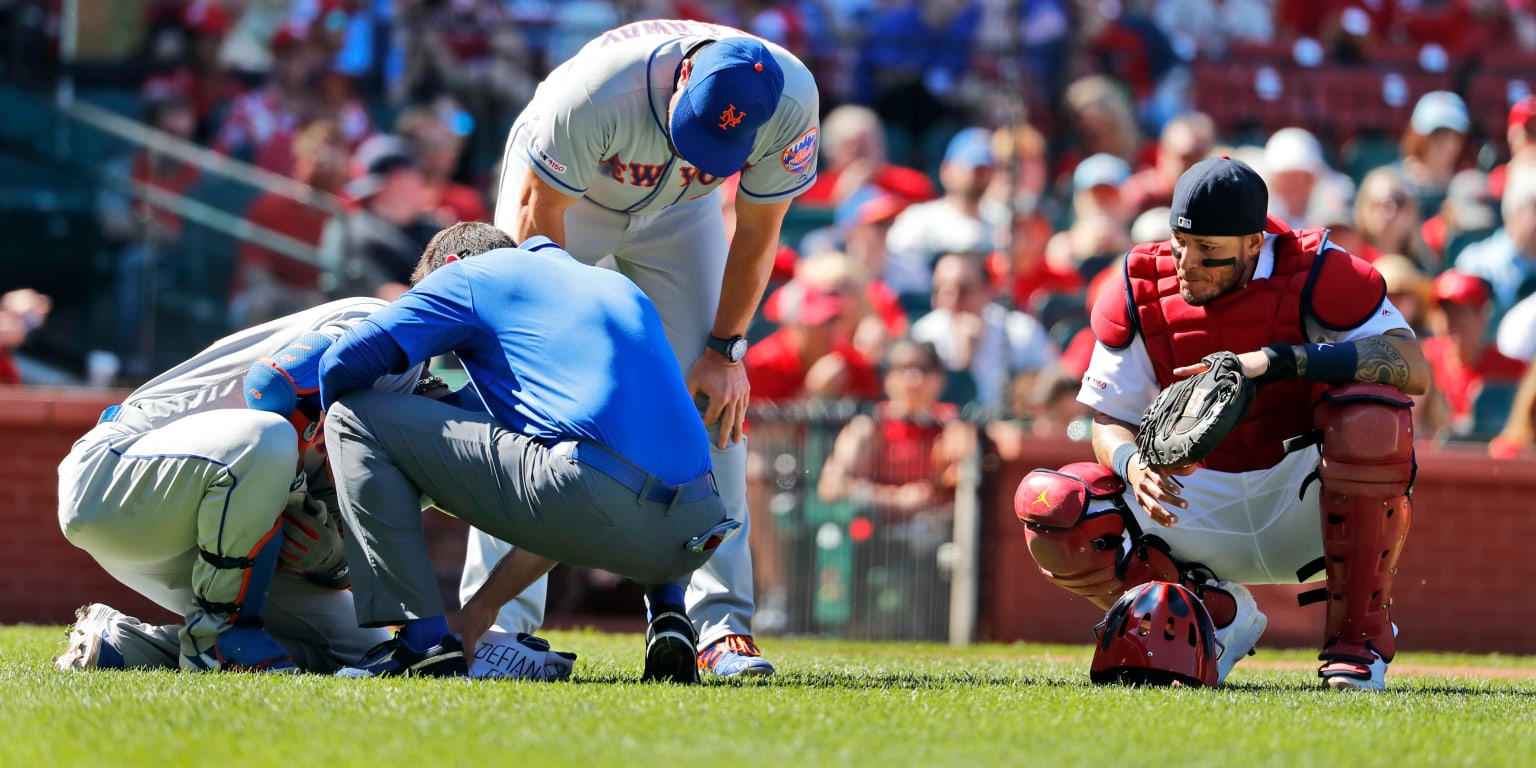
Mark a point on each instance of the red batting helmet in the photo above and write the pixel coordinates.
(1158, 633)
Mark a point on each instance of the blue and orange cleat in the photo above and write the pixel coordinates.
(735, 655)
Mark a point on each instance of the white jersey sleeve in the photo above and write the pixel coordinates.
(1120, 383)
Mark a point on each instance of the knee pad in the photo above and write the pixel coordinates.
(1087, 552)
(1366, 471)
(1367, 435)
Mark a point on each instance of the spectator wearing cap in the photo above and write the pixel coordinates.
(1462, 358)
(375, 247)
(811, 356)
(1432, 146)
(1101, 221)
(1186, 139)
(954, 223)
(859, 229)
(268, 284)
(1507, 258)
(437, 134)
(984, 345)
(1521, 136)
(854, 156)
(1301, 183)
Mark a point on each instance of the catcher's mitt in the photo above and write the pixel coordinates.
(1190, 417)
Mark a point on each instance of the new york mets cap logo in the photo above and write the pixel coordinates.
(800, 155)
(731, 117)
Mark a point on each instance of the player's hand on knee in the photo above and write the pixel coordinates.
(724, 384)
(312, 541)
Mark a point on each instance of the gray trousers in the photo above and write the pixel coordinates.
(677, 257)
(387, 450)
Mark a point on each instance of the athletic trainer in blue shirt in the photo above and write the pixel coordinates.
(591, 452)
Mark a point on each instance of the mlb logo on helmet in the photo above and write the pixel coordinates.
(733, 89)
(800, 155)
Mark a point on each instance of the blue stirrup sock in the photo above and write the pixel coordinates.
(661, 598)
(421, 634)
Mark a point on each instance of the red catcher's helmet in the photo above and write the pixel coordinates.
(1156, 634)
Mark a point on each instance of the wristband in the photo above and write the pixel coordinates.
(1120, 461)
(1328, 363)
(1282, 364)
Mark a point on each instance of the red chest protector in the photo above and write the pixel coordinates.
(1335, 289)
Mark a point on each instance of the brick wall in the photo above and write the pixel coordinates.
(1463, 584)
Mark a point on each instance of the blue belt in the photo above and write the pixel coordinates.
(110, 414)
(640, 481)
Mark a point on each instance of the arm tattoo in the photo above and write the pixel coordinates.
(1380, 363)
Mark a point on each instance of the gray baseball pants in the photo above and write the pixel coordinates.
(387, 450)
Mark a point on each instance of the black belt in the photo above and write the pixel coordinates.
(640, 481)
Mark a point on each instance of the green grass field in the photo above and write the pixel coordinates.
(834, 703)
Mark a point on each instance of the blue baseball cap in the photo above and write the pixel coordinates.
(971, 147)
(732, 91)
(1102, 169)
(1219, 197)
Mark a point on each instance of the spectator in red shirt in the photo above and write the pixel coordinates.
(438, 146)
(899, 468)
(810, 356)
(853, 155)
(1463, 360)
(268, 284)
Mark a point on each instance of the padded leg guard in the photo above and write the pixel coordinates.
(1087, 553)
(1366, 472)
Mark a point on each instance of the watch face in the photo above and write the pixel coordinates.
(736, 350)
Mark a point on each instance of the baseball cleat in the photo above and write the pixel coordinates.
(87, 645)
(393, 658)
(1349, 675)
(735, 655)
(1238, 638)
(242, 649)
(670, 648)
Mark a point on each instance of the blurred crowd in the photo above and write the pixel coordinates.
(985, 163)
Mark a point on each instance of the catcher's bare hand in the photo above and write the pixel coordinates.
(1158, 490)
(725, 384)
(1255, 364)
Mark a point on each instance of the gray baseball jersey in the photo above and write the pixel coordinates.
(596, 125)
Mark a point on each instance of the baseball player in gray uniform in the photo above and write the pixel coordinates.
(618, 157)
(194, 488)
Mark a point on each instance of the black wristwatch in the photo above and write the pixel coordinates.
(732, 349)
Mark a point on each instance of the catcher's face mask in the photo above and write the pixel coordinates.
(1158, 633)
